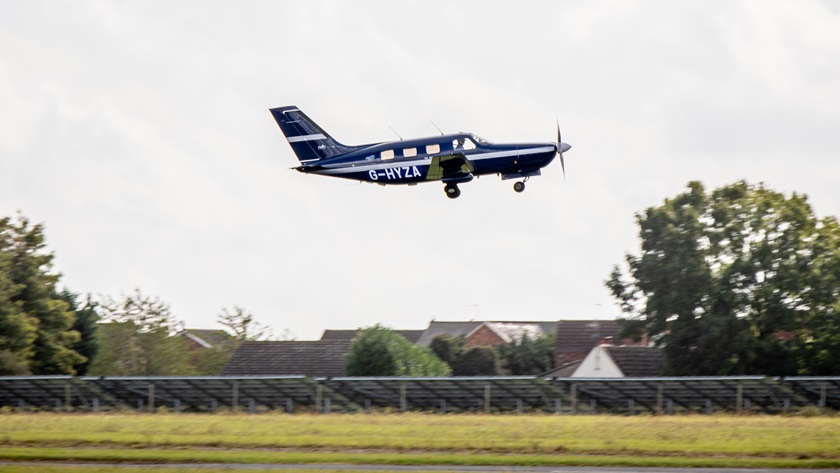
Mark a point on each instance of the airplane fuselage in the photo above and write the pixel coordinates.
(451, 159)
(410, 161)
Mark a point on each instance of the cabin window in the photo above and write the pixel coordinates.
(409, 152)
(463, 144)
(432, 149)
(387, 154)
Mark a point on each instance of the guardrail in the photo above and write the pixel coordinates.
(666, 395)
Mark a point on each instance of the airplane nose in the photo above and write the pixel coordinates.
(563, 147)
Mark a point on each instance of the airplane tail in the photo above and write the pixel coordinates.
(308, 140)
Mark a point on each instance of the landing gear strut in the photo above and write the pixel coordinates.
(452, 191)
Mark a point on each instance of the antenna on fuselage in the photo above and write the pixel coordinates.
(438, 129)
(395, 132)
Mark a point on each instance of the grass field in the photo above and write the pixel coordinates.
(761, 441)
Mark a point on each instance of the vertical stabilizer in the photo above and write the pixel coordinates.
(308, 140)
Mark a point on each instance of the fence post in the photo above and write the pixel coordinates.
(574, 398)
(660, 388)
(152, 397)
(403, 400)
(487, 398)
(558, 406)
(234, 397)
(739, 397)
(68, 396)
(823, 396)
(443, 406)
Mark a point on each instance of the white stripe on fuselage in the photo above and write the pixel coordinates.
(361, 166)
(295, 139)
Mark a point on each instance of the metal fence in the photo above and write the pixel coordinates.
(452, 394)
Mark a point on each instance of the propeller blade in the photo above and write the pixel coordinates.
(560, 149)
(563, 165)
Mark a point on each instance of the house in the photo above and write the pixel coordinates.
(608, 361)
(485, 333)
(349, 335)
(574, 339)
(198, 339)
(322, 358)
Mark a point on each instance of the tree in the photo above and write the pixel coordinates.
(476, 361)
(86, 324)
(36, 325)
(742, 280)
(379, 351)
(528, 356)
(138, 338)
(242, 325)
(448, 348)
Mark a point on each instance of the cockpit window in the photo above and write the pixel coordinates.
(480, 140)
(462, 144)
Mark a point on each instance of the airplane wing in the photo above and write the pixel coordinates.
(449, 165)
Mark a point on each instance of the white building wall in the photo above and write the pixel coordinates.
(598, 364)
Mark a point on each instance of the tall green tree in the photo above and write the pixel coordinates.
(36, 325)
(138, 337)
(741, 280)
(86, 319)
(379, 351)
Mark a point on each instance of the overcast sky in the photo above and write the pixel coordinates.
(139, 134)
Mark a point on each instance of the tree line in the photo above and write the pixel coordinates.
(380, 351)
(740, 280)
(48, 330)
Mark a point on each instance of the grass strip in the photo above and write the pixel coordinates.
(694, 436)
(146, 469)
(251, 457)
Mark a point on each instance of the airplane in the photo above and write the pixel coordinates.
(450, 158)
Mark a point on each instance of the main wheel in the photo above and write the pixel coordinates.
(519, 186)
(452, 191)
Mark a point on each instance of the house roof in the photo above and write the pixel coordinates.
(637, 362)
(317, 359)
(580, 336)
(207, 338)
(455, 329)
(348, 335)
(514, 331)
(564, 371)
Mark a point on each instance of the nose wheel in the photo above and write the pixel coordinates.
(452, 191)
(519, 186)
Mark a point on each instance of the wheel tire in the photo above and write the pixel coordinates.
(519, 186)
(452, 191)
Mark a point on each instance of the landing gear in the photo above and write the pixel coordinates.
(452, 191)
(519, 186)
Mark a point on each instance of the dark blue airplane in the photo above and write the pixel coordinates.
(453, 159)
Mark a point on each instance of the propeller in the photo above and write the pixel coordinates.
(560, 147)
